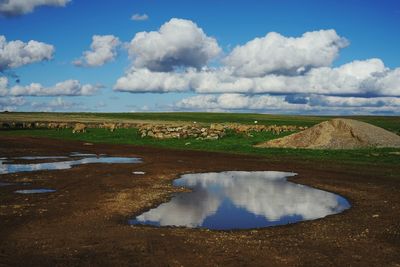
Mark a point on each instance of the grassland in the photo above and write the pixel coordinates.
(232, 143)
(391, 123)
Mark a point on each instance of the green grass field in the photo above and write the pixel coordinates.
(231, 143)
(391, 123)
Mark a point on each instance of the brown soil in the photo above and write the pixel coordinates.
(338, 134)
(84, 222)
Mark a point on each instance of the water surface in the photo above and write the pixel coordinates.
(35, 191)
(6, 165)
(40, 157)
(242, 200)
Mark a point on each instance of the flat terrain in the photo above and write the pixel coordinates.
(85, 221)
(391, 123)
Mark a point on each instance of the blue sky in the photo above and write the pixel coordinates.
(370, 28)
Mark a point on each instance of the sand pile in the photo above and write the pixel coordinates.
(338, 134)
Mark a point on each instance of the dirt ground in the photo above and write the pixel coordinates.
(85, 222)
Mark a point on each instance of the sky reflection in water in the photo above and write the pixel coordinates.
(242, 200)
(6, 165)
(35, 191)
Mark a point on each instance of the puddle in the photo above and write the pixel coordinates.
(78, 154)
(242, 200)
(7, 167)
(139, 172)
(4, 184)
(35, 191)
(41, 157)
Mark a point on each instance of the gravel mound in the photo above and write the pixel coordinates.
(338, 134)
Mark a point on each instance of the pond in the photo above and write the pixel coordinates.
(6, 165)
(241, 200)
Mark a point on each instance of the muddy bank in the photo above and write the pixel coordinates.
(85, 221)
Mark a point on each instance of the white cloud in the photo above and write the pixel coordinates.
(355, 78)
(11, 103)
(139, 17)
(358, 77)
(278, 54)
(19, 7)
(14, 54)
(3, 86)
(297, 71)
(144, 80)
(103, 50)
(336, 101)
(174, 59)
(235, 102)
(56, 104)
(282, 104)
(65, 88)
(178, 43)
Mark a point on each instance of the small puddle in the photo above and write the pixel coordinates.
(6, 165)
(241, 200)
(41, 157)
(35, 191)
(78, 154)
(4, 184)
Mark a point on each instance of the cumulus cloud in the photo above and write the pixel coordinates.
(369, 77)
(269, 74)
(103, 50)
(144, 80)
(278, 54)
(65, 88)
(14, 54)
(139, 17)
(231, 102)
(354, 78)
(178, 43)
(20, 7)
(290, 104)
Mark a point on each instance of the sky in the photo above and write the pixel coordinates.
(288, 57)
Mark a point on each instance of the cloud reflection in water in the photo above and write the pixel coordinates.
(240, 200)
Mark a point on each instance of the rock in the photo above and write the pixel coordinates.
(215, 131)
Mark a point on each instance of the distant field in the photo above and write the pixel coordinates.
(232, 143)
(387, 122)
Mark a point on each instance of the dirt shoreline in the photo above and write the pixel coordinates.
(85, 222)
